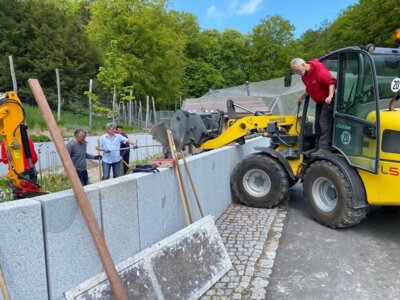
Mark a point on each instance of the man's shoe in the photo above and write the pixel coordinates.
(321, 152)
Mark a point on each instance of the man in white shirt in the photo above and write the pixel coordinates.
(110, 145)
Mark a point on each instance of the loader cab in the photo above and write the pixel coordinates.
(363, 85)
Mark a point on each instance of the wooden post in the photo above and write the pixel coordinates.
(58, 96)
(80, 195)
(135, 112)
(154, 110)
(140, 114)
(147, 112)
(130, 109)
(3, 286)
(90, 103)
(13, 77)
(192, 184)
(178, 174)
(114, 99)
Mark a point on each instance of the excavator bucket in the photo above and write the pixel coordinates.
(190, 128)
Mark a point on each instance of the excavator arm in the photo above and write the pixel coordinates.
(16, 146)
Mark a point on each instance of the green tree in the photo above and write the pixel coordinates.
(367, 22)
(113, 75)
(269, 53)
(234, 53)
(41, 37)
(150, 44)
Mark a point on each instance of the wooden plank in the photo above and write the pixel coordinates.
(80, 195)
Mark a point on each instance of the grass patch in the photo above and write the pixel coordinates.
(50, 183)
(69, 121)
(54, 183)
(5, 190)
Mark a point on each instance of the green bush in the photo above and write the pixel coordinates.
(41, 138)
(54, 183)
(5, 190)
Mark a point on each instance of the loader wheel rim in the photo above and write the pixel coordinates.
(257, 183)
(324, 194)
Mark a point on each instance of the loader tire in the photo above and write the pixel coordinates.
(259, 181)
(328, 196)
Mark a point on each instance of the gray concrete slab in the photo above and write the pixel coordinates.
(119, 210)
(22, 249)
(182, 266)
(70, 252)
(160, 208)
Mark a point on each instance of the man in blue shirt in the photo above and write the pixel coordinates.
(110, 145)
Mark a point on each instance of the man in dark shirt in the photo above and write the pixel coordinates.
(77, 150)
(124, 152)
(320, 85)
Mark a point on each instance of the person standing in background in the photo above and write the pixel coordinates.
(110, 143)
(124, 152)
(77, 150)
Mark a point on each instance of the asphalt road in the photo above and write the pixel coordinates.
(316, 262)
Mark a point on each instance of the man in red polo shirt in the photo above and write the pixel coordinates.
(320, 85)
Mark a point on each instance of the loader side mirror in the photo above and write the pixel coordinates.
(288, 78)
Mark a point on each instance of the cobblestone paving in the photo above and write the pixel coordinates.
(251, 237)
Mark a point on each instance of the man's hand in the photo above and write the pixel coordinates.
(300, 99)
(328, 100)
(98, 157)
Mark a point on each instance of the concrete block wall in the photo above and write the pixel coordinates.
(46, 248)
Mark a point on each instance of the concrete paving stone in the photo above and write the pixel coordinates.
(266, 263)
(221, 285)
(257, 293)
(263, 272)
(259, 282)
(228, 292)
(252, 243)
(252, 259)
(233, 285)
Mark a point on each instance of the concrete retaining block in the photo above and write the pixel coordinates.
(120, 222)
(22, 249)
(71, 255)
(183, 266)
(160, 208)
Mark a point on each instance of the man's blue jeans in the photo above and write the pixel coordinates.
(116, 167)
(83, 177)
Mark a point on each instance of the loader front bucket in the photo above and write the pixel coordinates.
(190, 128)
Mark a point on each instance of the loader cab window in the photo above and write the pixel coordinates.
(355, 120)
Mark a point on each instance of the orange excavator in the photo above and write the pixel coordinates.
(13, 130)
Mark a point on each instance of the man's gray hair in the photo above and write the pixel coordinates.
(297, 62)
(79, 131)
(110, 125)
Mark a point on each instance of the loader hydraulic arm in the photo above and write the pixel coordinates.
(245, 126)
(16, 146)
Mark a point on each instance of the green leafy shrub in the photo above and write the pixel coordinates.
(55, 183)
(41, 138)
(5, 190)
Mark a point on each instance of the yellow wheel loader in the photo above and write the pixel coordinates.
(364, 167)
